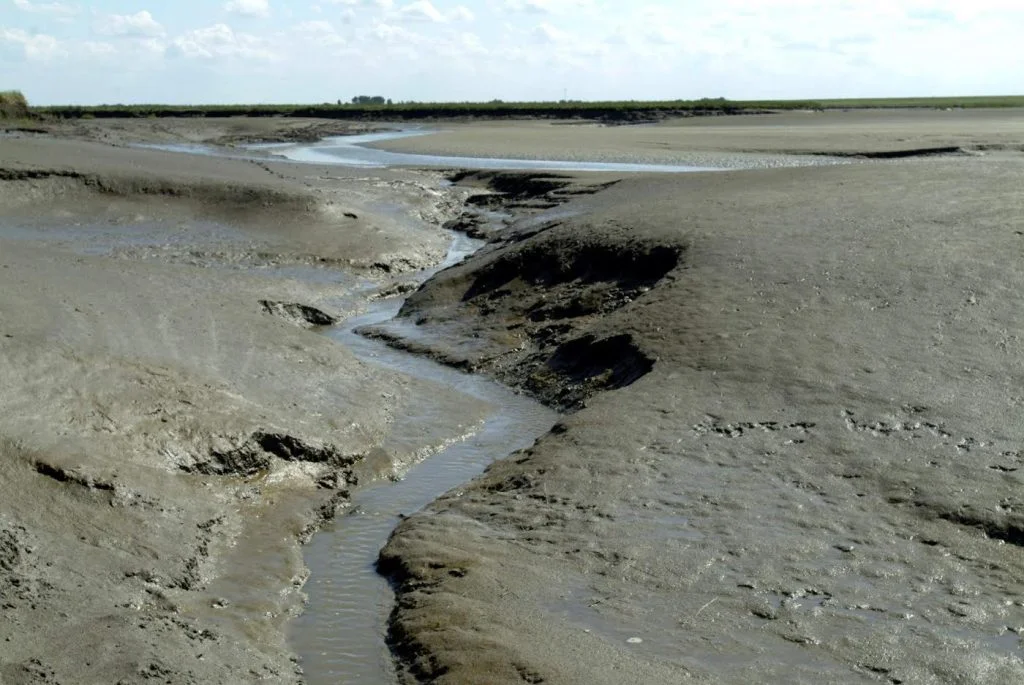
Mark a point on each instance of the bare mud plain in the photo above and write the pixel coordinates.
(791, 448)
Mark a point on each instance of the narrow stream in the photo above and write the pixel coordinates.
(354, 151)
(341, 636)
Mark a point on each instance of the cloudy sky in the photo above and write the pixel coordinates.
(205, 51)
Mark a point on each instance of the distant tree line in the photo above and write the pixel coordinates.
(369, 100)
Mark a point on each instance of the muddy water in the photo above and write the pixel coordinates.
(341, 635)
(354, 151)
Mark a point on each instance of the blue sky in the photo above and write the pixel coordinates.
(204, 51)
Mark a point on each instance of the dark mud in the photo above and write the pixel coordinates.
(302, 315)
(901, 154)
(541, 288)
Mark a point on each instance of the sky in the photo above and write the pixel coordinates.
(298, 51)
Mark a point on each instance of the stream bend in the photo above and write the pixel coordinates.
(341, 635)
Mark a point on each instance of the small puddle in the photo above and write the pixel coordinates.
(341, 635)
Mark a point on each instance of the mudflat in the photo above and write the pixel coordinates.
(173, 423)
(790, 450)
(793, 452)
(730, 141)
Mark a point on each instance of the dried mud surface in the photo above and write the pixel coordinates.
(793, 452)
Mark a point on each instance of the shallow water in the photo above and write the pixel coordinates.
(341, 635)
(353, 151)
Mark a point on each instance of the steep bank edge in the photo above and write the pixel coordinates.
(535, 304)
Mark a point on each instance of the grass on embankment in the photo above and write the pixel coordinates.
(603, 111)
(13, 105)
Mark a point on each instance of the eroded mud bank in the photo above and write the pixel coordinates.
(173, 424)
(793, 451)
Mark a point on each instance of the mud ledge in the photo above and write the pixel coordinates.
(949, 150)
(534, 299)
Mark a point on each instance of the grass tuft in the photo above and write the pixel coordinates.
(13, 105)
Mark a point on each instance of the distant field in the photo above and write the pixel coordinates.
(977, 102)
(605, 111)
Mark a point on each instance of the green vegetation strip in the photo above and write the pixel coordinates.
(607, 111)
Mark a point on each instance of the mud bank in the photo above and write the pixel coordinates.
(755, 141)
(172, 424)
(793, 448)
(791, 452)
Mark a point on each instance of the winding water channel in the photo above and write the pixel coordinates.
(355, 151)
(341, 637)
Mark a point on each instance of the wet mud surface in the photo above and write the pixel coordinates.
(175, 424)
(790, 449)
(799, 463)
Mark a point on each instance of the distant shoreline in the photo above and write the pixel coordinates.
(608, 112)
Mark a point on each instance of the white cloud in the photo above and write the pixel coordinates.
(420, 10)
(220, 41)
(319, 33)
(471, 44)
(132, 25)
(249, 8)
(425, 11)
(546, 33)
(461, 13)
(58, 9)
(389, 33)
(314, 27)
(380, 4)
(547, 6)
(37, 47)
(98, 49)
